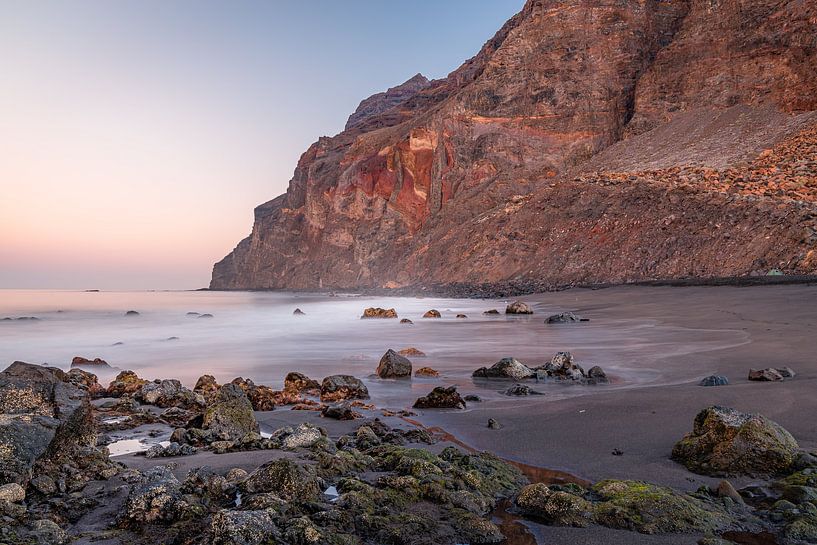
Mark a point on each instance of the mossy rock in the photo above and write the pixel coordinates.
(554, 506)
(727, 442)
(652, 509)
(802, 529)
(289, 480)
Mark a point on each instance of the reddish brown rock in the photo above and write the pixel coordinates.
(502, 170)
(79, 361)
(433, 313)
(126, 382)
(298, 383)
(426, 372)
(413, 352)
(377, 312)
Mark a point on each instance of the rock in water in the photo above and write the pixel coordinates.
(492, 312)
(169, 393)
(765, 375)
(441, 398)
(338, 411)
(341, 387)
(493, 424)
(521, 390)
(426, 372)
(727, 442)
(393, 365)
(297, 383)
(377, 312)
(596, 375)
(79, 361)
(231, 417)
(406, 321)
(518, 307)
(298, 312)
(413, 352)
(510, 368)
(433, 313)
(563, 318)
(714, 380)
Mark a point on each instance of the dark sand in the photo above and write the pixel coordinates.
(578, 434)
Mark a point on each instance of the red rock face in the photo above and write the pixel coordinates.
(473, 178)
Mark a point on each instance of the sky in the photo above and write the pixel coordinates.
(137, 136)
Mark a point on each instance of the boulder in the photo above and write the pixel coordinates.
(493, 424)
(521, 390)
(426, 372)
(727, 442)
(433, 313)
(256, 527)
(12, 493)
(156, 497)
(765, 375)
(509, 368)
(339, 411)
(262, 398)
(169, 393)
(286, 478)
(298, 383)
(301, 436)
(518, 307)
(564, 318)
(86, 381)
(79, 361)
(596, 375)
(413, 352)
(441, 398)
(231, 416)
(714, 380)
(207, 387)
(377, 312)
(786, 372)
(492, 312)
(406, 321)
(341, 387)
(393, 365)
(126, 382)
(44, 418)
(562, 367)
(555, 507)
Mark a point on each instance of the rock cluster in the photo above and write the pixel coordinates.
(561, 367)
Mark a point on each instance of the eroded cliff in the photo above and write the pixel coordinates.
(587, 141)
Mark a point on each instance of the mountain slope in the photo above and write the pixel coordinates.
(504, 170)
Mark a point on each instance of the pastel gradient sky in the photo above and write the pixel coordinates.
(137, 136)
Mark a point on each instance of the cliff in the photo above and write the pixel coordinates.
(586, 142)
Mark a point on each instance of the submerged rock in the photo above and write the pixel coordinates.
(462, 316)
(441, 398)
(169, 393)
(564, 318)
(509, 368)
(79, 361)
(156, 498)
(727, 442)
(521, 390)
(256, 527)
(714, 380)
(518, 307)
(426, 372)
(339, 411)
(298, 312)
(377, 312)
(493, 424)
(406, 321)
(131, 313)
(433, 313)
(492, 312)
(286, 478)
(413, 352)
(393, 365)
(173, 449)
(87, 381)
(340, 387)
(765, 375)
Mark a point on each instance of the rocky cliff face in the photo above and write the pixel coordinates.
(587, 141)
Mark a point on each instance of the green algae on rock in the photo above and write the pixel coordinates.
(727, 442)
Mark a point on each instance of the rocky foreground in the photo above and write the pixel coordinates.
(367, 482)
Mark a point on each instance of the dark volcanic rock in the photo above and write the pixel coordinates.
(87, 381)
(406, 321)
(341, 387)
(393, 365)
(298, 383)
(518, 307)
(521, 390)
(727, 442)
(339, 411)
(564, 318)
(298, 312)
(426, 372)
(131, 313)
(714, 380)
(231, 416)
(492, 312)
(441, 398)
(126, 382)
(79, 361)
(509, 368)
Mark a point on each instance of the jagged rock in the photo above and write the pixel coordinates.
(433, 313)
(554, 506)
(596, 375)
(564, 318)
(563, 367)
(169, 393)
(393, 365)
(426, 372)
(413, 352)
(231, 416)
(341, 387)
(87, 381)
(714, 380)
(518, 307)
(286, 478)
(79, 361)
(207, 387)
(262, 398)
(509, 368)
(765, 375)
(377, 312)
(126, 382)
(298, 312)
(441, 398)
(521, 390)
(473, 397)
(46, 421)
(44, 531)
(299, 383)
(257, 527)
(339, 411)
(173, 449)
(727, 442)
(155, 498)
